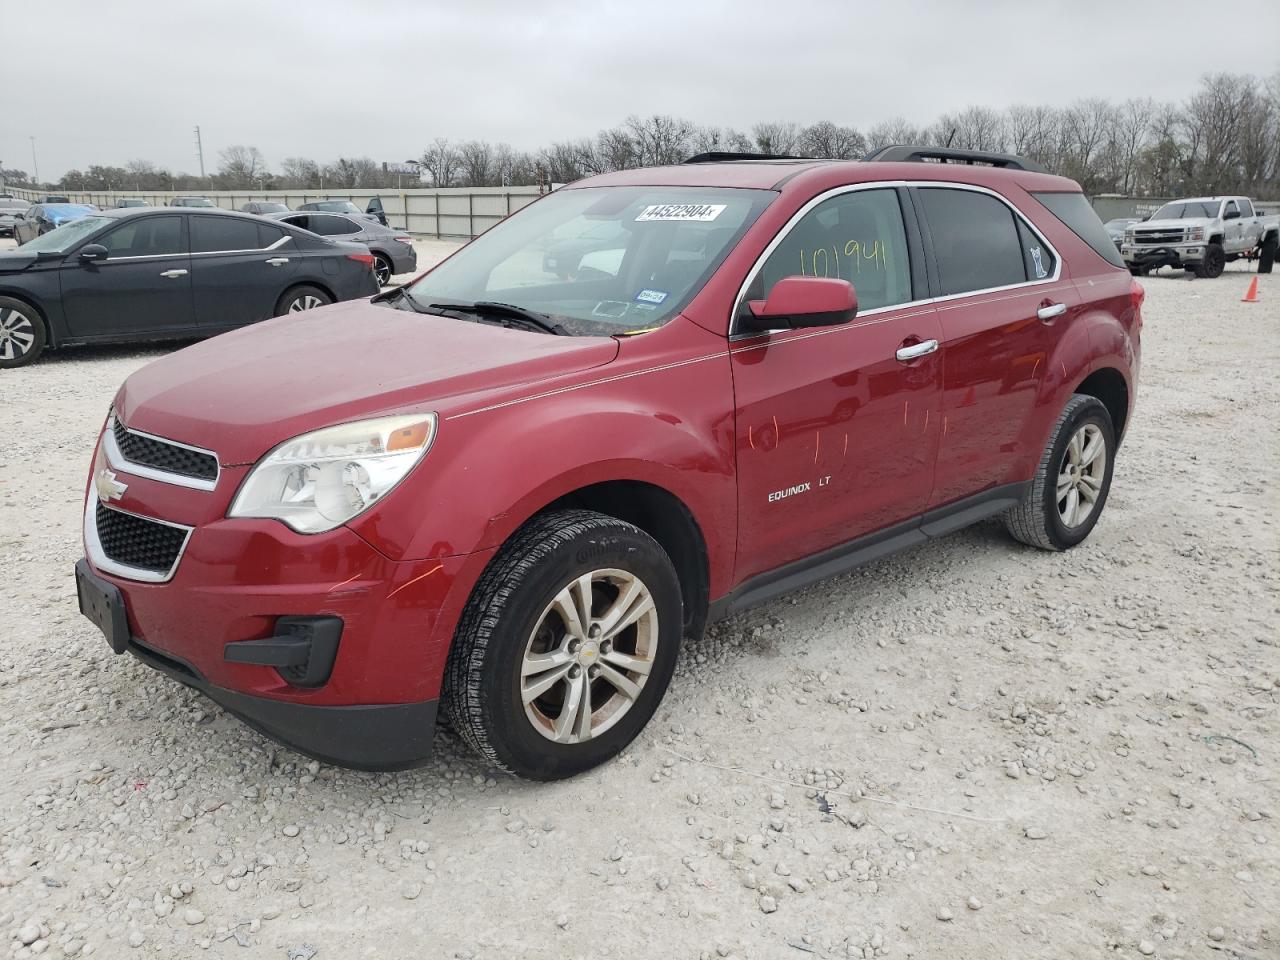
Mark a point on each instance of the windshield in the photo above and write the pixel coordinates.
(272, 208)
(1182, 209)
(63, 238)
(193, 202)
(336, 206)
(602, 260)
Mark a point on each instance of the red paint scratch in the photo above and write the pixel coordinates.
(776, 432)
(436, 569)
(1064, 369)
(944, 425)
(749, 437)
(1036, 367)
(926, 419)
(846, 446)
(904, 412)
(344, 583)
(817, 444)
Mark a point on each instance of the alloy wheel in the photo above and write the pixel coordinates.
(308, 302)
(1081, 475)
(382, 271)
(589, 656)
(17, 334)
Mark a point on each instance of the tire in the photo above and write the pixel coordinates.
(1214, 262)
(1138, 271)
(1267, 254)
(22, 333)
(1039, 519)
(297, 299)
(382, 270)
(512, 615)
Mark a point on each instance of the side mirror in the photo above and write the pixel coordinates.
(798, 302)
(19, 216)
(1231, 215)
(93, 253)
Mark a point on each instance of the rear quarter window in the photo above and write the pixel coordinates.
(1078, 215)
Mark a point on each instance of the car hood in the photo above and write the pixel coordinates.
(15, 261)
(1173, 224)
(242, 393)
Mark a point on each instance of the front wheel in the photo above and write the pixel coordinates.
(566, 645)
(1070, 487)
(1214, 262)
(22, 336)
(1267, 255)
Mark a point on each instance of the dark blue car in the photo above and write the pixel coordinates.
(164, 273)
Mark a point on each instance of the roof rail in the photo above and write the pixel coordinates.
(727, 156)
(898, 153)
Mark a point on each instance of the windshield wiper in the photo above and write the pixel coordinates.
(530, 317)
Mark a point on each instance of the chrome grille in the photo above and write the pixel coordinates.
(1159, 237)
(163, 455)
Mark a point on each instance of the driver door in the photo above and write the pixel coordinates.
(142, 288)
(837, 436)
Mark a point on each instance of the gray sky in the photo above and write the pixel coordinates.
(325, 78)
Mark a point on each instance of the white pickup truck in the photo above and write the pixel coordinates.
(1201, 234)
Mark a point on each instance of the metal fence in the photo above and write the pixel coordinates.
(452, 212)
(1111, 206)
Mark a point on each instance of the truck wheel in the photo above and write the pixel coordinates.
(1267, 254)
(22, 335)
(1138, 271)
(566, 645)
(1070, 487)
(1215, 260)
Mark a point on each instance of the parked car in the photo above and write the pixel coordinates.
(192, 202)
(1202, 235)
(375, 210)
(341, 206)
(54, 198)
(125, 203)
(509, 497)
(9, 208)
(1116, 228)
(392, 250)
(160, 273)
(41, 218)
(264, 207)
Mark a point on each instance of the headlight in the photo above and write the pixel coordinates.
(1195, 233)
(321, 480)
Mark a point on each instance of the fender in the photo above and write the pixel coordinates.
(465, 496)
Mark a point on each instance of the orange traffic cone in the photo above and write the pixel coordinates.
(1252, 295)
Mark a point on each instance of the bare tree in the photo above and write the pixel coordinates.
(660, 140)
(299, 173)
(776, 137)
(475, 164)
(441, 161)
(889, 132)
(241, 166)
(832, 142)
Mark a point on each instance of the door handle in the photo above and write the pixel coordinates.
(1051, 312)
(917, 350)
(171, 274)
(278, 261)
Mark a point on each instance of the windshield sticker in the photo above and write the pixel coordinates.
(1040, 270)
(681, 211)
(651, 296)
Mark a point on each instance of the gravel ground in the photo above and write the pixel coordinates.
(971, 750)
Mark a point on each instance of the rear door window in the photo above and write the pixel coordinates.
(219, 234)
(145, 237)
(975, 240)
(331, 226)
(1246, 207)
(1037, 258)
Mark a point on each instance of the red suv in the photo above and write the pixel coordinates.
(508, 489)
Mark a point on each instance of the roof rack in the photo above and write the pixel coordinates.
(727, 156)
(899, 153)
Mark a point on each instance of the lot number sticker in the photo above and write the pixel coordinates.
(681, 211)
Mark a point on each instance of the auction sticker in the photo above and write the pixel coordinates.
(651, 296)
(681, 211)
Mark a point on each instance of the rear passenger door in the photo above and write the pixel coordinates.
(993, 273)
(239, 268)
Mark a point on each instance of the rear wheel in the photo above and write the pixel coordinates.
(1214, 262)
(381, 269)
(22, 334)
(1138, 271)
(302, 298)
(1267, 254)
(566, 646)
(1071, 484)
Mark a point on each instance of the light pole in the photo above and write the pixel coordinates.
(417, 171)
(35, 166)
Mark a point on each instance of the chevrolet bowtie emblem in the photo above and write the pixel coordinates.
(109, 488)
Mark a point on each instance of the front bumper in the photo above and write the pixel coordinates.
(1174, 255)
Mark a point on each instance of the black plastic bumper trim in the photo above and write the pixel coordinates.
(391, 736)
